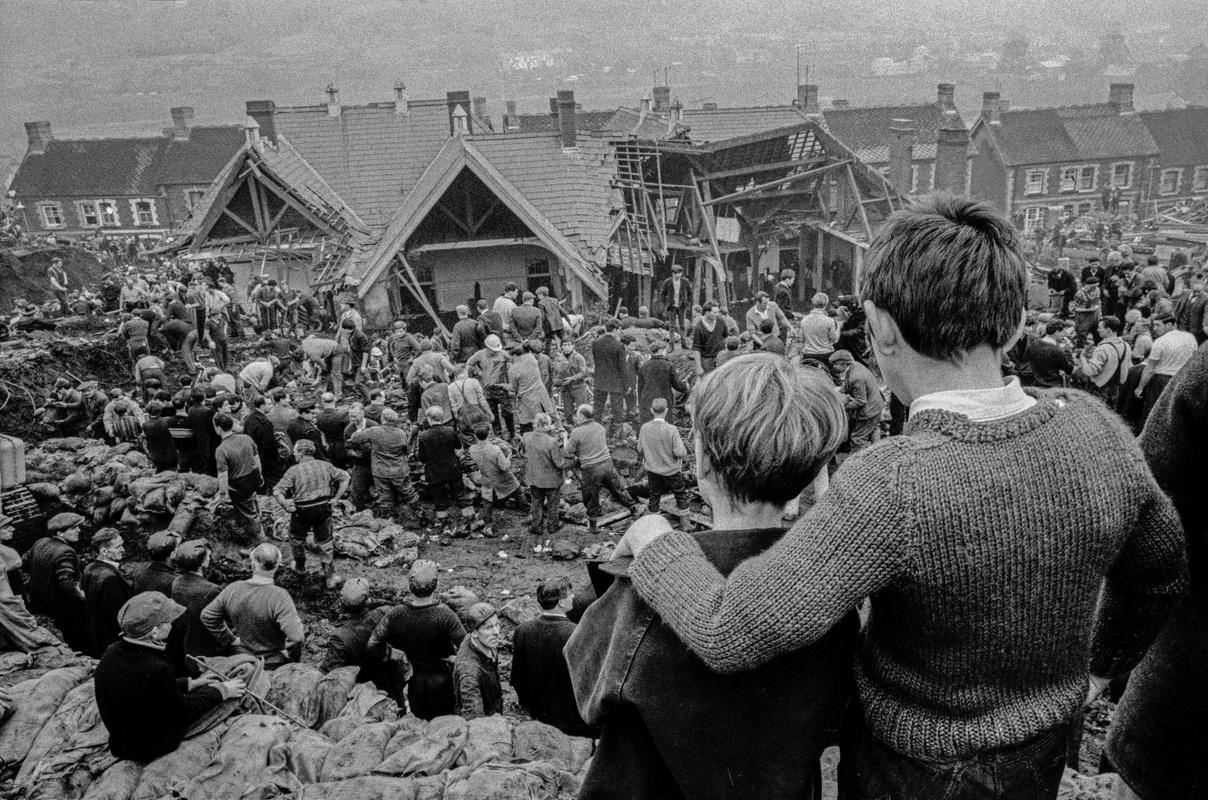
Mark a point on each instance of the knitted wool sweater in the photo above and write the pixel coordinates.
(982, 546)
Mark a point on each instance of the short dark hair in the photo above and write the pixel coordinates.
(1054, 326)
(551, 591)
(223, 421)
(1112, 323)
(481, 432)
(766, 326)
(612, 324)
(708, 305)
(951, 272)
(1165, 319)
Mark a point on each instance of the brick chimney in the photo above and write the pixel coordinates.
(807, 98)
(991, 106)
(38, 134)
(265, 114)
(677, 116)
(662, 99)
(553, 106)
(511, 120)
(952, 154)
(1121, 94)
(901, 153)
(400, 98)
(480, 108)
(459, 102)
(251, 133)
(840, 103)
(333, 101)
(945, 95)
(567, 124)
(182, 122)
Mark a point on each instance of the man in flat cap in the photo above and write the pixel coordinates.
(194, 592)
(53, 567)
(157, 574)
(140, 700)
(476, 670)
(305, 427)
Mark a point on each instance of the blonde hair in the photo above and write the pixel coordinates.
(767, 426)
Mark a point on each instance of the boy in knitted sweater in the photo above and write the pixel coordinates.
(984, 580)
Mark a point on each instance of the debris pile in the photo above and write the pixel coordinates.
(357, 745)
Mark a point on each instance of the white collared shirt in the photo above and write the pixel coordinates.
(979, 405)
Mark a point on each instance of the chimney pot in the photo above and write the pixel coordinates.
(511, 120)
(459, 124)
(567, 123)
(264, 112)
(251, 132)
(182, 122)
(662, 99)
(645, 106)
(333, 101)
(1121, 94)
(400, 98)
(39, 135)
(901, 153)
(807, 98)
(945, 95)
(991, 107)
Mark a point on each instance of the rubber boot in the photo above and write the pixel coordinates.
(332, 580)
(299, 552)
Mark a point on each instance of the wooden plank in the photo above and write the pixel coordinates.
(253, 188)
(855, 191)
(778, 182)
(409, 278)
(754, 170)
(238, 219)
(707, 214)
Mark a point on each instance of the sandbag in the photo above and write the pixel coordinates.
(70, 775)
(116, 783)
(459, 598)
(520, 610)
(333, 692)
(366, 700)
(12, 660)
(500, 781)
(239, 768)
(68, 729)
(358, 753)
(34, 706)
(44, 492)
(425, 750)
(366, 787)
(341, 728)
(302, 756)
(77, 483)
(536, 741)
(295, 690)
(487, 739)
(169, 773)
(137, 459)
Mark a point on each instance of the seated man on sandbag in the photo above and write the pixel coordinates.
(672, 727)
(145, 707)
(256, 616)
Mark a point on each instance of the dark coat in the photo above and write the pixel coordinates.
(476, 682)
(53, 567)
(428, 632)
(154, 576)
(674, 728)
(540, 675)
(657, 378)
(304, 429)
(686, 294)
(105, 591)
(608, 355)
(257, 426)
(142, 703)
(348, 646)
(195, 593)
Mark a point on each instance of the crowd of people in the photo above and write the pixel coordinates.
(939, 609)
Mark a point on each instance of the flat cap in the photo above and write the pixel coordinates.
(64, 522)
(144, 611)
(841, 357)
(162, 544)
(423, 573)
(479, 614)
(354, 592)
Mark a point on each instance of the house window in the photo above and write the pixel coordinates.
(536, 273)
(1122, 175)
(89, 218)
(1034, 184)
(107, 211)
(1086, 178)
(1069, 179)
(1033, 218)
(1200, 181)
(193, 197)
(1084, 209)
(1170, 181)
(143, 212)
(52, 215)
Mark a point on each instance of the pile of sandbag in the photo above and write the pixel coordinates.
(111, 485)
(363, 536)
(345, 741)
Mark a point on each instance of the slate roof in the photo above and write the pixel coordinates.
(91, 168)
(866, 130)
(1181, 134)
(584, 120)
(714, 125)
(370, 155)
(571, 188)
(1070, 134)
(198, 159)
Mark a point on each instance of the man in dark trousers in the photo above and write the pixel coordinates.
(425, 632)
(657, 378)
(304, 427)
(54, 589)
(348, 646)
(139, 697)
(539, 672)
(157, 574)
(609, 368)
(105, 589)
(58, 283)
(201, 419)
(258, 426)
(676, 295)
